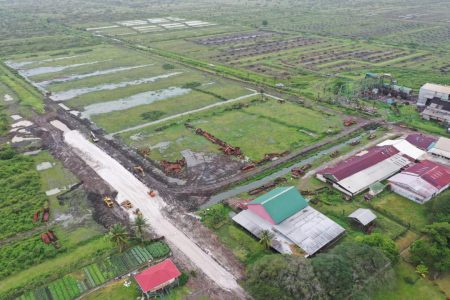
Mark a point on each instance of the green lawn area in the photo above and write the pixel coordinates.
(421, 289)
(244, 246)
(405, 209)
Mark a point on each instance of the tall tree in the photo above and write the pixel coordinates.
(119, 236)
(140, 224)
(382, 242)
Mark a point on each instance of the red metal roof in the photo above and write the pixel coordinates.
(435, 174)
(420, 141)
(359, 162)
(157, 275)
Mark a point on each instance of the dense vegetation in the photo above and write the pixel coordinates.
(20, 192)
(349, 270)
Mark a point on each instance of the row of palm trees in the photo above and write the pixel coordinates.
(119, 235)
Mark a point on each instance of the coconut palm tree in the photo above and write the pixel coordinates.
(266, 239)
(140, 223)
(118, 235)
(422, 270)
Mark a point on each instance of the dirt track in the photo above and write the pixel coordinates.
(129, 187)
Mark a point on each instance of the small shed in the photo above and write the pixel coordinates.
(363, 217)
(376, 188)
(157, 277)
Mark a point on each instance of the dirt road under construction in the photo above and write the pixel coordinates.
(129, 187)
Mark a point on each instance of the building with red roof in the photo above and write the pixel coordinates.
(422, 181)
(158, 276)
(421, 141)
(355, 174)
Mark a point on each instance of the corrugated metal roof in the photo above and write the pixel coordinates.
(359, 162)
(435, 174)
(363, 216)
(382, 170)
(281, 203)
(421, 141)
(415, 184)
(436, 88)
(442, 145)
(308, 229)
(404, 147)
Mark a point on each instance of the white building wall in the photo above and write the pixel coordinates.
(409, 194)
(426, 93)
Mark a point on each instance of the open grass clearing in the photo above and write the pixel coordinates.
(406, 210)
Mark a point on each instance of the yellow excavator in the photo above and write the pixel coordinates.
(108, 201)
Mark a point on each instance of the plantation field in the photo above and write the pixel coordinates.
(256, 126)
(76, 283)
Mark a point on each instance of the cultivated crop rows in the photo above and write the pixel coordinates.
(96, 274)
(235, 38)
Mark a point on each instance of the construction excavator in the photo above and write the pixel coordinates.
(108, 201)
(126, 204)
(139, 169)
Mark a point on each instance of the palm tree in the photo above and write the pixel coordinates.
(266, 239)
(422, 270)
(140, 223)
(118, 235)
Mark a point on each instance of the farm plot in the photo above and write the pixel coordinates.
(257, 126)
(74, 284)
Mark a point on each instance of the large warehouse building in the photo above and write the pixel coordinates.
(290, 220)
(430, 91)
(355, 174)
(422, 181)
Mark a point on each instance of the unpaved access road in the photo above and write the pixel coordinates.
(129, 187)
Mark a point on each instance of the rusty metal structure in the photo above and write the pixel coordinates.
(173, 167)
(224, 147)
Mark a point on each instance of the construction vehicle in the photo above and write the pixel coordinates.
(139, 169)
(94, 138)
(297, 172)
(372, 136)
(137, 212)
(126, 204)
(152, 193)
(355, 142)
(108, 201)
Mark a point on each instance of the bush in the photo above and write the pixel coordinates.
(183, 279)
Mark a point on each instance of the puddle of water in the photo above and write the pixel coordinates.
(46, 70)
(21, 64)
(133, 101)
(67, 95)
(44, 84)
(24, 123)
(32, 152)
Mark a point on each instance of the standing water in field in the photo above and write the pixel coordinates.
(67, 95)
(132, 101)
(45, 70)
(21, 64)
(44, 84)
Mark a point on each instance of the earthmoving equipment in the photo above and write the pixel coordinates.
(137, 212)
(355, 142)
(94, 138)
(267, 186)
(144, 151)
(152, 193)
(108, 201)
(139, 169)
(173, 167)
(126, 204)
